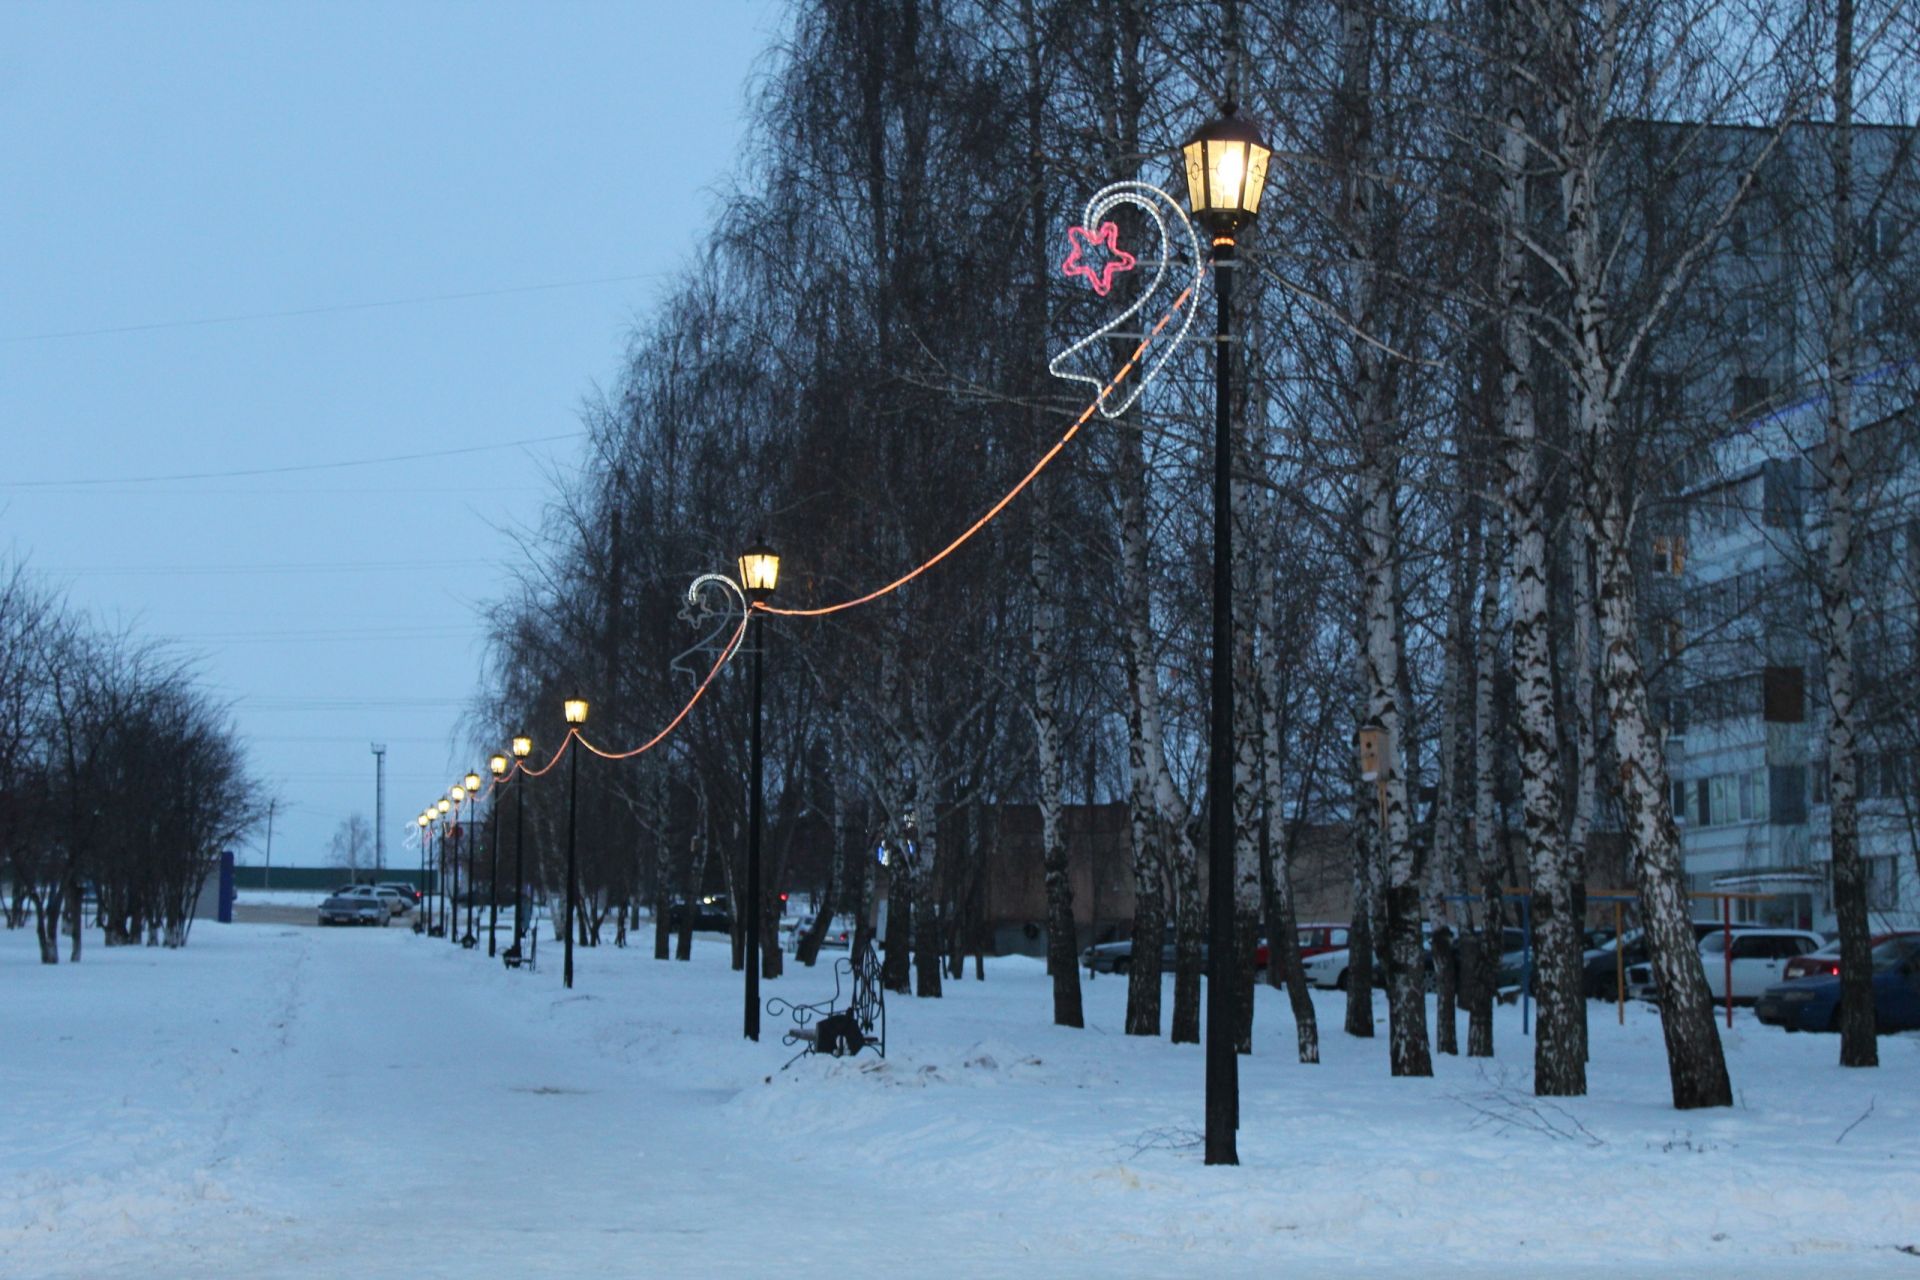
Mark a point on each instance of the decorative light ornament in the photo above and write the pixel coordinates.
(1118, 259)
(1158, 206)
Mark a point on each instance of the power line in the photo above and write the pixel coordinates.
(245, 317)
(287, 470)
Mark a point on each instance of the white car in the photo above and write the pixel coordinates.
(1328, 969)
(1755, 963)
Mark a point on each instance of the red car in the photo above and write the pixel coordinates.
(1314, 939)
(1825, 963)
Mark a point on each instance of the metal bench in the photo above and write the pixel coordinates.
(825, 1027)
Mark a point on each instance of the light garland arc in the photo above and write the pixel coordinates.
(1156, 204)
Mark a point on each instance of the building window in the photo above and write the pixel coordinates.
(1751, 392)
(1670, 554)
(1883, 884)
(1783, 697)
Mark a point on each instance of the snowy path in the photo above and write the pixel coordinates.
(300, 1102)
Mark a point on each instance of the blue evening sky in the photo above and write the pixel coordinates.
(191, 161)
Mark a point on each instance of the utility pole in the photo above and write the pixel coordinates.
(379, 806)
(266, 880)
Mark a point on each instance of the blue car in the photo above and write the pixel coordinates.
(1813, 1004)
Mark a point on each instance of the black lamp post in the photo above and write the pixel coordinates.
(497, 766)
(759, 574)
(459, 794)
(445, 806)
(1226, 163)
(576, 711)
(469, 939)
(522, 748)
(426, 826)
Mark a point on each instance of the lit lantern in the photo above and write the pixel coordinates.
(444, 805)
(497, 766)
(473, 784)
(522, 748)
(1226, 171)
(576, 711)
(458, 793)
(759, 570)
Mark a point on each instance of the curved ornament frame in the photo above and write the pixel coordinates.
(699, 609)
(1157, 205)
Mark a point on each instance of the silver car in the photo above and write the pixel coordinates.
(354, 908)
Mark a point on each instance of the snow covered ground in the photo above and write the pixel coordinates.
(285, 1101)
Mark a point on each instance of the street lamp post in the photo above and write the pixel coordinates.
(576, 712)
(1226, 164)
(496, 765)
(470, 939)
(522, 748)
(426, 826)
(459, 795)
(759, 574)
(445, 806)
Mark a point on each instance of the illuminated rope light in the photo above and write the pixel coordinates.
(1086, 415)
(1118, 259)
(1154, 203)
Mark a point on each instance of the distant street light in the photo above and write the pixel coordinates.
(458, 794)
(425, 824)
(470, 939)
(497, 766)
(1226, 161)
(576, 713)
(445, 806)
(522, 748)
(759, 575)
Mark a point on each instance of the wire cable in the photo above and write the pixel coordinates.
(1086, 415)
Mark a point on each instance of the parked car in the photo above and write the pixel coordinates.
(710, 915)
(354, 908)
(1756, 961)
(838, 937)
(409, 896)
(1117, 957)
(1813, 1004)
(1329, 968)
(1825, 963)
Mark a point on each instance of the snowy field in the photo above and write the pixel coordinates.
(279, 1101)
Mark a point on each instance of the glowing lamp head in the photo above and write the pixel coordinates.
(497, 766)
(444, 805)
(576, 710)
(458, 792)
(422, 820)
(759, 570)
(1226, 162)
(522, 748)
(473, 784)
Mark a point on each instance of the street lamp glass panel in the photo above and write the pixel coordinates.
(497, 766)
(576, 710)
(473, 784)
(759, 570)
(1226, 163)
(522, 748)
